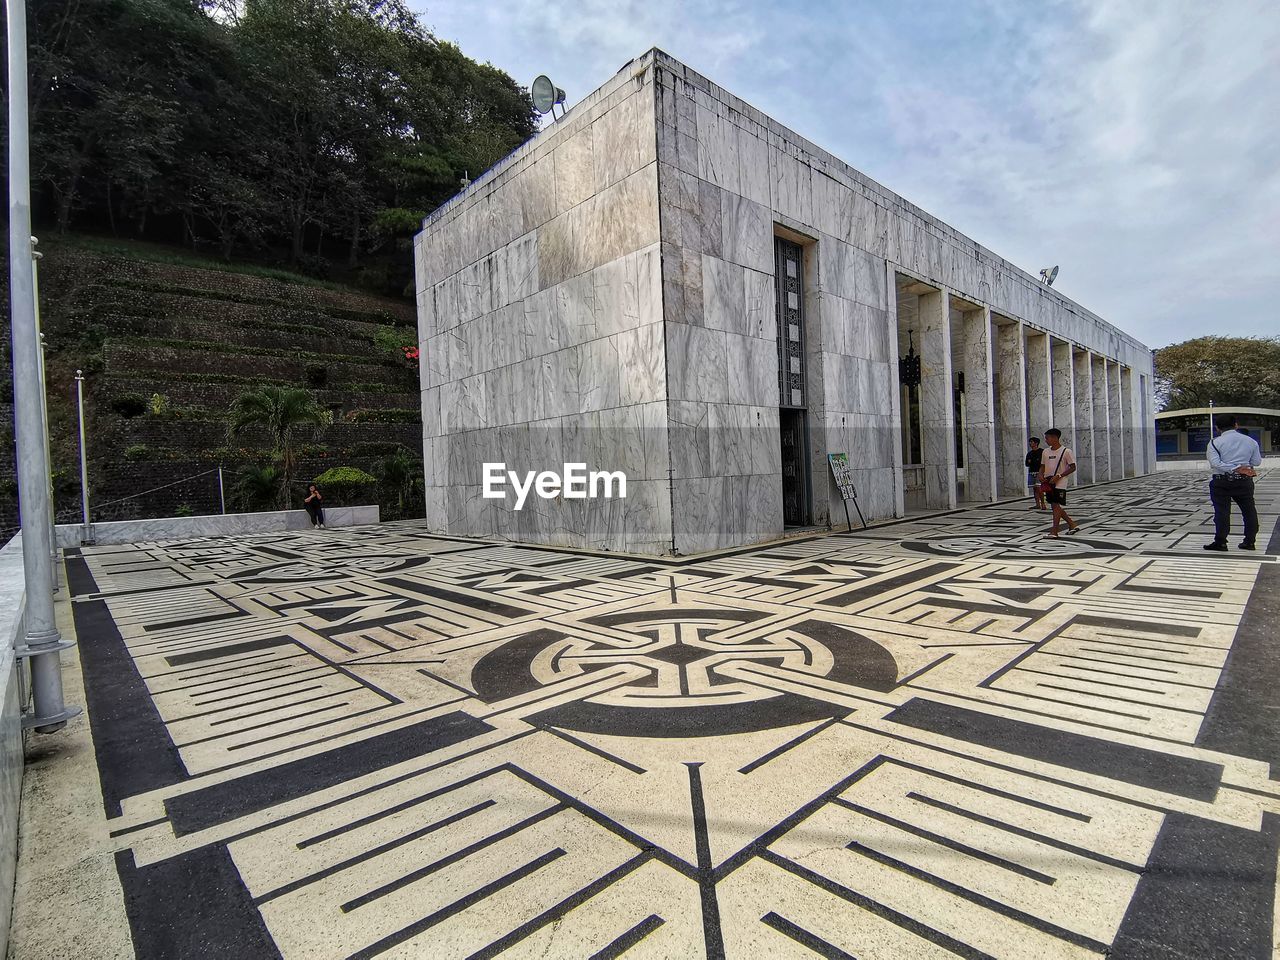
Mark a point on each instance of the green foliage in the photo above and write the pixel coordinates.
(345, 486)
(184, 510)
(138, 451)
(257, 487)
(326, 127)
(158, 405)
(129, 405)
(1230, 371)
(402, 481)
(280, 412)
(393, 340)
(385, 415)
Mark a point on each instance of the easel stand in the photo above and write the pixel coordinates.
(849, 522)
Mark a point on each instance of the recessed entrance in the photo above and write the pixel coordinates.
(792, 383)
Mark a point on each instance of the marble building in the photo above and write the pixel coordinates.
(669, 283)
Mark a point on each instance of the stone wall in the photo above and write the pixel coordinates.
(540, 319)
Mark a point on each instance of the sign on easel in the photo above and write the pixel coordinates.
(844, 480)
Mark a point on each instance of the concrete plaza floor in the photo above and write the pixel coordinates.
(942, 737)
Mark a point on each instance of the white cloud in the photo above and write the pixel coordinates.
(1134, 143)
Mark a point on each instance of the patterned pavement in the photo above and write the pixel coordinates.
(942, 737)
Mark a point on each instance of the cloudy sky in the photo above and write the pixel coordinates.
(1136, 144)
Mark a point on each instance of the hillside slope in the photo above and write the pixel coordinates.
(167, 346)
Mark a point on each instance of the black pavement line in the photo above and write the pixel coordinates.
(572, 902)
(803, 937)
(1208, 891)
(197, 621)
(1023, 832)
(626, 941)
(1182, 776)
(867, 591)
(193, 905)
(456, 857)
(375, 851)
(994, 791)
(1242, 717)
(944, 841)
(230, 650)
(133, 749)
(790, 744)
(907, 923)
(1170, 629)
(223, 802)
(712, 935)
(995, 906)
(484, 893)
(590, 748)
(484, 604)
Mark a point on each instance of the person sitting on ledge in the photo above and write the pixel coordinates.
(315, 506)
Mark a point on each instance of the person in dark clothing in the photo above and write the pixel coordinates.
(1234, 457)
(1034, 456)
(314, 505)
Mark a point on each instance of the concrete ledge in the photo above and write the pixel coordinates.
(12, 607)
(214, 525)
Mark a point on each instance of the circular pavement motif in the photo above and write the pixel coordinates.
(690, 672)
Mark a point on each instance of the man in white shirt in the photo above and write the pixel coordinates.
(1233, 456)
(1056, 465)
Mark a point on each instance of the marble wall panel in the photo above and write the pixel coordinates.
(1082, 395)
(1064, 406)
(746, 233)
(1011, 408)
(937, 414)
(980, 421)
(1039, 383)
(697, 363)
(1101, 421)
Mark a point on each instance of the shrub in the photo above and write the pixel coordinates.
(138, 451)
(343, 486)
(385, 415)
(184, 510)
(257, 487)
(158, 405)
(129, 405)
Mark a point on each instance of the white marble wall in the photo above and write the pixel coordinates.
(937, 404)
(540, 321)
(1128, 423)
(613, 278)
(213, 525)
(12, 590)
(1039, 384)
(1083, 396)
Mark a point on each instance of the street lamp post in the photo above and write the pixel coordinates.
(86, 532)
(41, 641)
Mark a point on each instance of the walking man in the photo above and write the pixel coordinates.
(1233, 457)
(1056, 465)
(1033, 471)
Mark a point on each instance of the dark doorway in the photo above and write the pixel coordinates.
(795, 468)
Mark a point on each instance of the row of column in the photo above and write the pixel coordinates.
(1018, 383)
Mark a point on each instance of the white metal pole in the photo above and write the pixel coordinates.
(36, 257)
(41, 641)
(86, 534)
(222, 493)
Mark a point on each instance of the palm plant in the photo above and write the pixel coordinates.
(256, 487)
(401, 476)
(280, 411)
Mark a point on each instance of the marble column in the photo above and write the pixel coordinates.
(1064, 401)
(1039, 384)
(1011, 409)
(1127, 425)
(1101, 420)
(1083, 398)
(937, 403)
(980, 424)
(1115, 435)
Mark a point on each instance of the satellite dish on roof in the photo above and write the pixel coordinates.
(1048, 275)
(546, 95)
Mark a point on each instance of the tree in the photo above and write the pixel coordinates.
(401, 478)
(256, 487)
(279, 411)
(1230, 371)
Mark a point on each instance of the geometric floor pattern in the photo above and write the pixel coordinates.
(937, 738)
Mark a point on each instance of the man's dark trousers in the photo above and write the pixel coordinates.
(1222, 491)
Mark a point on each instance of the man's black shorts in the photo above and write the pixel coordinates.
(1056, 495)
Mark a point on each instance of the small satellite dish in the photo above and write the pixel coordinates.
(1048, 275)
(546, 95)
